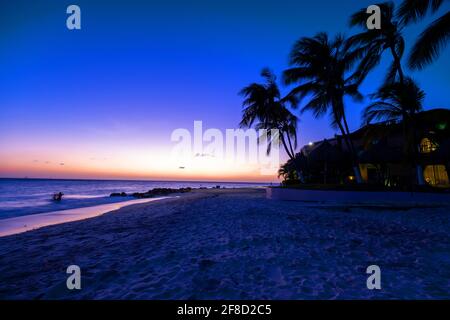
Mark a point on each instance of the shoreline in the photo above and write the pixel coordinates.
(16, 225)
(30, 222)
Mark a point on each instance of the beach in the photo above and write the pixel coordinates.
(234, 244)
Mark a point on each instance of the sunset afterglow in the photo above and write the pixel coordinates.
(103, 101)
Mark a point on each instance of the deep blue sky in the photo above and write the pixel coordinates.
(139, 69)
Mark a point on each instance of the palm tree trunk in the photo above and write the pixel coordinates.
(290, 144)
(412, 147)
(350, 140)
(404, 112)
(285, 145)
(355, 165)
(398, 65)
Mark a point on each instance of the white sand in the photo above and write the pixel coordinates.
(233, 244)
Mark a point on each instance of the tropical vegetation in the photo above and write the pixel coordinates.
(325, 71)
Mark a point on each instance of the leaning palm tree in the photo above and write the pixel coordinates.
(321, 69)
(433, 39)
(399, 102)
(264, 108)
(374, 42)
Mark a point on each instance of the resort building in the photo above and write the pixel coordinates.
(383, 155)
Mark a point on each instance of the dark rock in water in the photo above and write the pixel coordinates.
(141, 195)
(118, 194)
(159, 192)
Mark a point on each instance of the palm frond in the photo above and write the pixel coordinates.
(304, 90)
(395, 101)
(430, 43)
(318, 105)
(413, 10)
(359, 18)
(296, 74)
(353, 92)
(381, 110)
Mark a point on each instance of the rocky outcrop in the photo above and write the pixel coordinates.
(118, 194)
(152, 193)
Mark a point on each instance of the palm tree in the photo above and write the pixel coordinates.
(374, 42)
(320, 68)
(433, 39)
(264, 107)
(290, 169)
(392, 99)
(395, 102)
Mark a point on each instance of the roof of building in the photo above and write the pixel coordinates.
(438, 118)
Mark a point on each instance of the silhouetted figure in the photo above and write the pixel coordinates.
(58, 196)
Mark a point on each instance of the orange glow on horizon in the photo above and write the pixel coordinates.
(133, 159)
(126, 170)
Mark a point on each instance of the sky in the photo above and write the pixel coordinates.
(103, 101)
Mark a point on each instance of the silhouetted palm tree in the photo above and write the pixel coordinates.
(321, 69)
(397, 101)
(290, 169)
(392, 100)
(264, 107)
(433, 39)
(374, 42)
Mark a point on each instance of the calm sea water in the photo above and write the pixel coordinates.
(20, 197)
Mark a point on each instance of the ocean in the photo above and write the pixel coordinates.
(19, 197)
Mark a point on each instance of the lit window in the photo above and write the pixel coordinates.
(436, 175)
(427, 146)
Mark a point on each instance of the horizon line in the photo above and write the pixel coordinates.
(141, 180)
